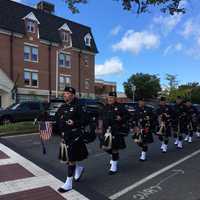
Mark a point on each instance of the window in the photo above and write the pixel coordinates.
(27, 53)
(27, 78)
(34, 79)
(30, 26)
(64, 60)
(86, 61)
(87, 84)
(87, 39)
(34, 55)
(34, 106)
(64, 81)
(31, 79)
(30, 53)
(65, 36)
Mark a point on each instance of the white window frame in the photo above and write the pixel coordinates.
(31, 47)
(30, 24)
(65, 55)
(86, 57)
(88, 39)
(87, 87)
(65, 77)
(31, 78)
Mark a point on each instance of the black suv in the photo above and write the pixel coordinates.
(91, 106)
(24, 111)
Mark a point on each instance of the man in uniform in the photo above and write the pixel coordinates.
(111, 121)
(164, 113)
(143, 126)
(192, 119)
(179, 122)
(70, 119)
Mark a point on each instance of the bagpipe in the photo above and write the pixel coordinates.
(141, 130)
(163, 121)
(106, 143)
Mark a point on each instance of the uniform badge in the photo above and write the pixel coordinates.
(71, 109)
(115, 108)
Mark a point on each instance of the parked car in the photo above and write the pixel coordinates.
(24, 111)
(131, 106)
(91, 106)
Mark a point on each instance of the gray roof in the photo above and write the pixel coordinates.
(11, 19)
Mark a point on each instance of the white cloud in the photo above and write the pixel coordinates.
(112, 66)
(167, 50)
(116, 30)
(178, 47)
(173, 48)
(167, 23)
(188, 29)
(136, 41)
(19, 1)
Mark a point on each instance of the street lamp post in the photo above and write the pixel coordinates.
(133, 90)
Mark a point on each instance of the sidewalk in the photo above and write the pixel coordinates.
(20, 179)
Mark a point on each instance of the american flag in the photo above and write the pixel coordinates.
(45, 129)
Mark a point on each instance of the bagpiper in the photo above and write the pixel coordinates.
(192, 120)
(164, 128)
(179, 122)
(143, 127)
(70, 119)
(111, 123)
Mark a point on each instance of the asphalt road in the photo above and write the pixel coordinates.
(171, 176)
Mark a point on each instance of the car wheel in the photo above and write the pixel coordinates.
(6, 120)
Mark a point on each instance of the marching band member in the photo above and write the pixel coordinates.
(111, 121)
(143, 127)
(70, 119)
(179, 122)
(164, 113)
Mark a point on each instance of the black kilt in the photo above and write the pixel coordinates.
(77, 150)
(118, 143)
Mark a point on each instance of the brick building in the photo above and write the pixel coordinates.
(41, 53)
(102, 88)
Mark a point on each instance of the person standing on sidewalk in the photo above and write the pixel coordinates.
(71, 119)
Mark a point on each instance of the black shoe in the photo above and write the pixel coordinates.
(78, 179)
(112, 173)
(141, 160)
(61, 190)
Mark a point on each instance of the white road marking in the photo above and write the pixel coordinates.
(41, 177)
(151, 176)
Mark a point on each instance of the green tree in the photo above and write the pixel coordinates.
(141, 6)
(172, 81)
(195, 95)
(147, 85)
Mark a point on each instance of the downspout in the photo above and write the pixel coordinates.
(79, 74)
(11, 57)
(50, 88)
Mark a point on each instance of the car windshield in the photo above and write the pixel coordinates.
(14, 106)
(55, 105)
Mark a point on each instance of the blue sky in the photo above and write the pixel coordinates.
(150, 43)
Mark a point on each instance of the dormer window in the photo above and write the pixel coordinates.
(30, 27)
(87, 39)
(31, 23)
(65, 34)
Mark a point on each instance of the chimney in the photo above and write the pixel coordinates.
(46, 7)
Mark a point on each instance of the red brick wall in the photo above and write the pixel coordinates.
(43, 65)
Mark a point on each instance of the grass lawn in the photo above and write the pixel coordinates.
(18, 128)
